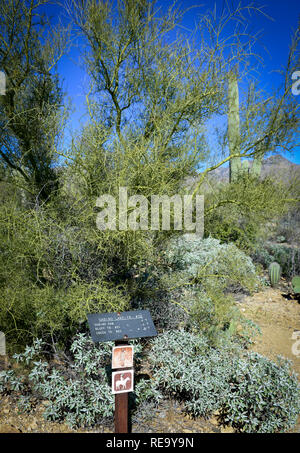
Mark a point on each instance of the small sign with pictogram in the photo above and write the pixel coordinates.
(122, 381)
(122, 356)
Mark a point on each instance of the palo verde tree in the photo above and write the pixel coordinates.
(31, 109)
(151, 96)
(145, 93)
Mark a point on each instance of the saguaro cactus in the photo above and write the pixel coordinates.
(257, 162)
(296, 284)
(274, 273)
(233, 126)
(2, 83)
(245, 167)
(256, 166)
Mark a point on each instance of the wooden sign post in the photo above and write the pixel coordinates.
(121, 396)
(120, 327)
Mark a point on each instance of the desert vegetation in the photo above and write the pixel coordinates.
(149, 102)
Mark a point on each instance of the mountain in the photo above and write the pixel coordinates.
(276, 166)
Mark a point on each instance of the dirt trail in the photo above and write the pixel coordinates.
(278, 316)
(279, 320)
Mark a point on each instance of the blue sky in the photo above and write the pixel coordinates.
(273, 45)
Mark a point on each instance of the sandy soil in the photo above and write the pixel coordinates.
(278, 316)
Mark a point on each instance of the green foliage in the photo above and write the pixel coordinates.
(296, 284)
(204, 272)
(239, 212)
(51, 275)
(289, 226)
(148, 108)
(31, 114)
(274, 273)
(264, 396)
(287, 256)
(250, 392)
(79, 391)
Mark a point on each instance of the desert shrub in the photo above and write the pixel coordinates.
(80, 395)
(208, 259)
(264, 396)
(289, 225)
(189, 307)
(184, 365)
(79, 391)
(240, 211)
(53, 272)
(200, 277)
(250, 392)
(287, 256)
(165, 313)
(262, 256)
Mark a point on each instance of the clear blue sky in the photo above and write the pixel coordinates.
(275, 37)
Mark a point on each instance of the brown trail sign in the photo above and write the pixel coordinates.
(120, 327)
(122, 381)
(122, 357)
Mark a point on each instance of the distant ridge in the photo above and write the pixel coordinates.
(272, 166)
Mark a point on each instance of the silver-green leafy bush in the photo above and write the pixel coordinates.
(79, 393)
(184, 365)
(264, 396)
(203, 275)
(250, 392)
(206, 258)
